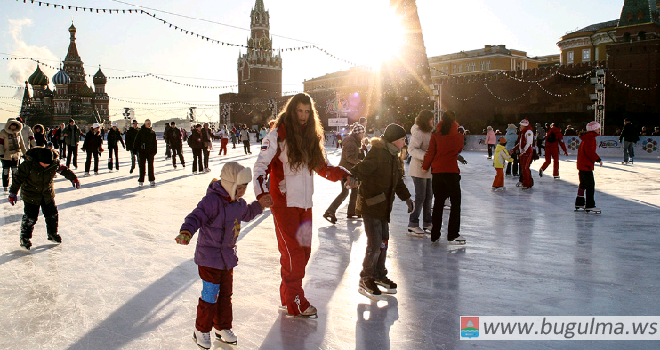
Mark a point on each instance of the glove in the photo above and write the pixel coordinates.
(351, 182)
(183, 238)
(12, 198)
(411, 205)
(76, 184)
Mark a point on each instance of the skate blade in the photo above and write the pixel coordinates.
(388, 291)
(592, 211)
(456, 242)
(368, 295)
(579, 209)
(303, 317)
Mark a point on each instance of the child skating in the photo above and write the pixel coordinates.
(381, 178)
(218, 217)
(585, 164)
(35, 180)
(501, 155)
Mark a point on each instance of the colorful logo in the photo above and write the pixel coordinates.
(573, 143)
(469, 327)
(609, 144)
(650, 145)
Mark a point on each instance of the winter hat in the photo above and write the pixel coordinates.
(232, 175)
(114, 124)
(489, 128)
(71, 121)
(512, 126)
(43, 155)
(357, 129)
(135, 121)
(524, 122)
(393, 132)
(95, 125)
(593, 126)
(502, 139)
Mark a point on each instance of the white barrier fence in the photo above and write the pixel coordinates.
(608, 146)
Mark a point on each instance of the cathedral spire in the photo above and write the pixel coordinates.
(259, 6)
(72, 54)
(637, 12)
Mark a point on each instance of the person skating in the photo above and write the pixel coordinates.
(442, 158)
(147, 147)
(351, 154)
(289, 156)
(218, 218)
(39, 135)
(380, 178)
(196, 144)
(511, 139)
(224, 139)
(233, 137)
(166, 137)
(130, 135)
(525, 149)
(27, 134)
(114, 136)
(34, 179)
(71, 139)
(245, 138)
(587, 156)
(501, 155)
(176, 145)
(553, 140)
(629, 137)
(93, 146)
(12, 148)
(419, 143)
(207, 140)
(540, 138)
(490, 141)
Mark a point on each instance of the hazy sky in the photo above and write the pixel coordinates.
(126, 44)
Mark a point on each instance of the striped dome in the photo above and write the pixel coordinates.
(61, 78)
(38, 77)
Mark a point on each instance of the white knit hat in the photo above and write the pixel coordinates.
(114, 124)
(524, 122)
(593, 126)
(232, 175)
(95, 125)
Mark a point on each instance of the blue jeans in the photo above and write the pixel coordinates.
(423, 198)
(378, 235)
(628, 150)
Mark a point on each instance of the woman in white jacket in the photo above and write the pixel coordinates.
(419, 142)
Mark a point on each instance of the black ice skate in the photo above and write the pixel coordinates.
(330, 217)
(25, 243)
(390, 287)
(54, 237)
(579, 203)
(592, 210)
(369, 289)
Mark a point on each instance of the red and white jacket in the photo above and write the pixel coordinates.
(288, 187)
(526, 140)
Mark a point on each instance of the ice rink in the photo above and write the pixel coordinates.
(119, 281)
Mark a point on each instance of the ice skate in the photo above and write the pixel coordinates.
(369, 289)
(540, 172)
(592, 210)
(54, 237)
(282, 308)
(86, 173)
(526, 188)
(175, 167)
(140, 184)
(499, 189)
(631, 160)
(96, 173)
(579, 208)
(25, 243)
(152, 183)
(310, 312)
(226, 336)
(6, 190)
(519, 184)
(207, 170)
(415, 231)
(390, 287)
(202, 339)
(194, 173)
(427, 229)
(556, 177)
(330, 217)
(457, 241)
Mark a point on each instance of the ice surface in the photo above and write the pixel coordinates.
(119, 281)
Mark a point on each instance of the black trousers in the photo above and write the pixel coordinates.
(72, 151)
(31, 213)
(62, 149)
(512, 165)
(207, 153)
(116, 151)
(146, 160)
(588, 184)
(88, 161)
(446, 185)
(177, 151)
(134, 155)
(6, 166)
(341, 197)
(246, 146)
(197, 160)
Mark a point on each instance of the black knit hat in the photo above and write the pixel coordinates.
(393, 132)
(43, 155)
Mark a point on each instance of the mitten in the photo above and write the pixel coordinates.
(411, 205)
(75, 183)
(183, 238)
(12, 198)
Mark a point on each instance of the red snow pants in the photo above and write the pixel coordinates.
(552, 153)
(293, 227)
(223, 145)
(218, 314)
(525, 161)
(499, 178)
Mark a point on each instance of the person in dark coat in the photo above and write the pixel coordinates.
(147, 147)
(114, 136)
(34, 179)
(629, 137)
(196, 143)
(71, 138)
(207, 139)
(39, 135)
(55, 138)
(166, 135)
(176, 145)
(130, 135)
(93, 145)
(381, 179)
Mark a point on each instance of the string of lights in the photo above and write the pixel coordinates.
(630, 86)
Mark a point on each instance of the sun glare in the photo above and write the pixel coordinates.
(387, 35)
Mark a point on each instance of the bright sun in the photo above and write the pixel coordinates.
(387, 35)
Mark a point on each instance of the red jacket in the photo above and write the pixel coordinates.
(587, 152)
(442, 154)
(559, 139)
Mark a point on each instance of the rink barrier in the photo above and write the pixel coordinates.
(608, 146)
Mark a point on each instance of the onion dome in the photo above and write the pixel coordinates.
(48, 92)
(38, 77)
(99, 78)
(61, 78)
(72, 29)
(86, 91)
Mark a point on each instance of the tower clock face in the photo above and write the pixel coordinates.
(264, 43)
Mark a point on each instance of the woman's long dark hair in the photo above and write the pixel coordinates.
(422, 120)
(304, 142)
(448, 118)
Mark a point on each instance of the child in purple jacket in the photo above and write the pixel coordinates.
(218, 217)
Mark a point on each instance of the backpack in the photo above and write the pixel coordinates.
(551, 138)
